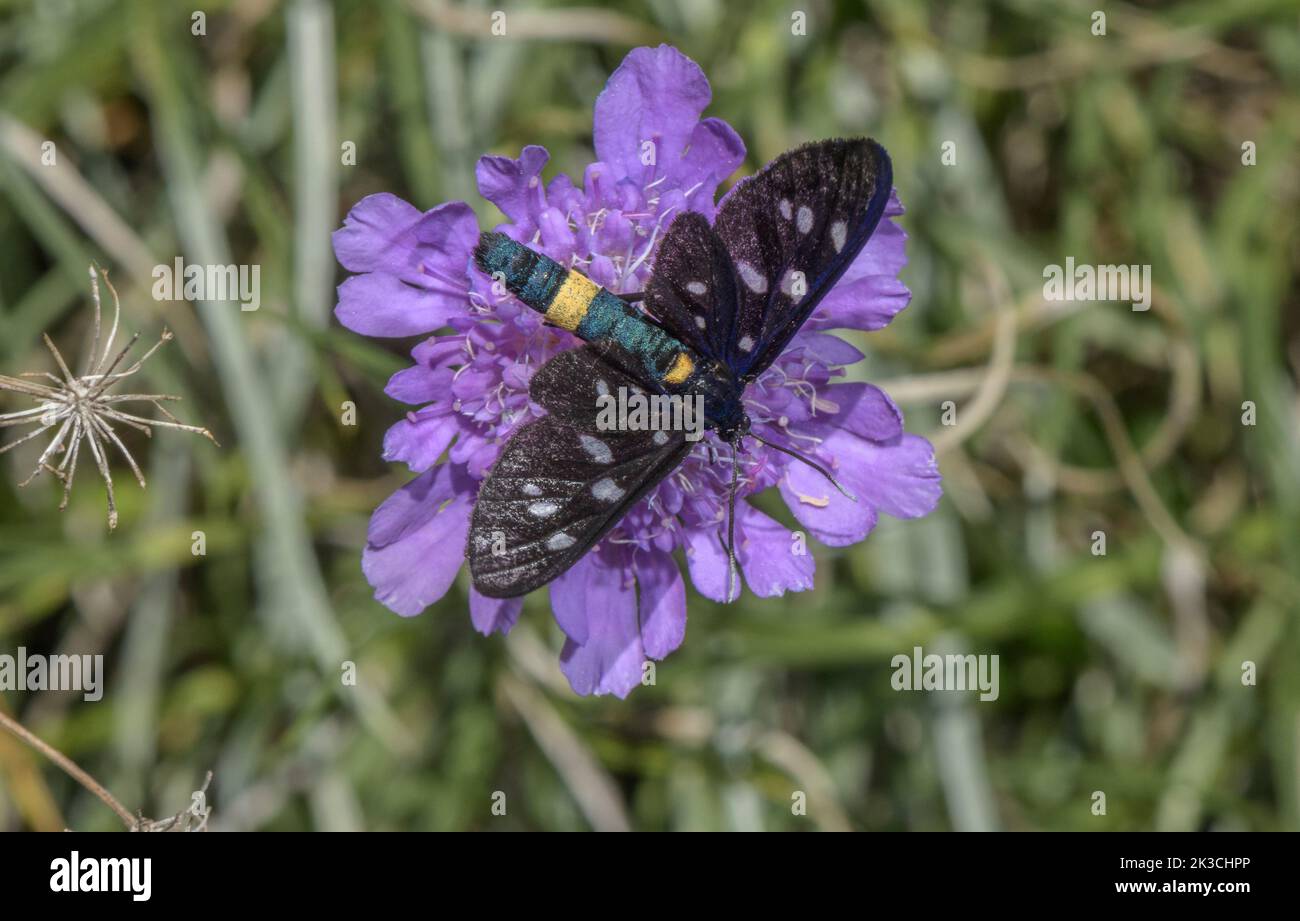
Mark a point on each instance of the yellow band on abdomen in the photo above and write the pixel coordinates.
(572, 300)
(680, 370)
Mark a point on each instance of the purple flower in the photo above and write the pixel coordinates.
(625, 601)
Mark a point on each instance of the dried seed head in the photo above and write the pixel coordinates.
(83, 409)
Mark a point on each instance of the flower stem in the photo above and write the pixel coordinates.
(69, 767)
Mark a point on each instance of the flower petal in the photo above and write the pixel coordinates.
(869, 294)
(493, 615)
(863, 409)
(598, 594)
(706, 560)
(831, 517)
(557, 236)
(661, 602)
(409, 508)
(383, 233)
(656, 95)
(376, 234)
(569, 595)
(898, 477)
(419, 438)
(773, 562)
(420, 384)
(477, 447)
(769, 557)
(514, 186)
(828, 349)
(379, 304)
(407, 559)
(716, 151)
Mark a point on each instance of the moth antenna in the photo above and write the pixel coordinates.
(733, 566)
(811, 463)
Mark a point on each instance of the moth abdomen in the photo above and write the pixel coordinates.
(572, 301)
(565, 296)
(530, 276)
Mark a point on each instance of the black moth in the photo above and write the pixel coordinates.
(721, 305)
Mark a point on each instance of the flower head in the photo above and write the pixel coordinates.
(625, 601)
(83, 409)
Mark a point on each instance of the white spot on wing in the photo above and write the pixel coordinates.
(696, 287)
(838, 232)
(804, 221)
(606, 490)
(745, 344)
(596, 449)
(602, 388)
(661, 438)
(794, 285)
(543, 509)
(559, 541)
(752, 277)
(531, 489)
(701, 322)
(784, 205)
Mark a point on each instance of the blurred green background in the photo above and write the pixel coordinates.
(1119, 673)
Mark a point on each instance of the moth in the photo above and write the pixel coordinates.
(722, 303)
